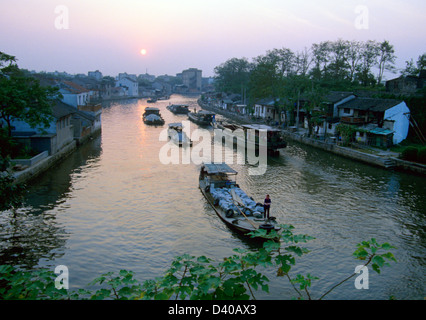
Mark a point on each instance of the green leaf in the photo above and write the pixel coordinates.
(375, 267)
(378, 260)
(297, 250)
(203, 259)
(389, 255)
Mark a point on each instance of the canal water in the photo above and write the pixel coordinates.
(114, 205)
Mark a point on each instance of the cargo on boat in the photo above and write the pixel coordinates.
(152, 116)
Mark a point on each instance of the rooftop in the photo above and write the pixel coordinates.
(371, 104)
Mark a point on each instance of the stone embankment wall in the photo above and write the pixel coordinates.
(334, 148)
(43, 165)
(387, 162)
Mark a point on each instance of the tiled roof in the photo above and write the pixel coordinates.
(74, 87)
(61, 109)
(372, 104)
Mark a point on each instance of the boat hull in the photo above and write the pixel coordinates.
(154, 123)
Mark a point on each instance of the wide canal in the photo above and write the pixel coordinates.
(114, 205)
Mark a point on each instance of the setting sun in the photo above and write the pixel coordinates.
(143, 52)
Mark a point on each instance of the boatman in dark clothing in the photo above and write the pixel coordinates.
(266, 207)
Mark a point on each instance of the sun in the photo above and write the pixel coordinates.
(143, 52)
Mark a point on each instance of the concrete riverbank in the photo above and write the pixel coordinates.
(36, 169)
(43, 165)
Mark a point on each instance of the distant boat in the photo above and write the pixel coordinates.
(202, 117)
(178, 108)
(231, 204)
(152, 116)
(177, 135)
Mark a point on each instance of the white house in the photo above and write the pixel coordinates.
(74, 94)
(131, 86)
(397, 119)
(389, 115)
(265, 109)
(333, 100)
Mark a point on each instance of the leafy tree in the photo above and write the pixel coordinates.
(284, 61)
(321, 58)
(23, 98)
(369, 55)
(412, 68)
(421, 62)
(11, 194)
(294, 89)
(315, 107)
(338, 68)
(268, 74)
(233, 75)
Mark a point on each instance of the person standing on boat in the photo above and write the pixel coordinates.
(266, 207)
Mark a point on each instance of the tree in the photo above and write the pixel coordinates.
(354, 57)
(315, 106)
(233, 75)
(369, 55)
(410, 69)
(22, 97)
(263, 81)
(11, 194)
(284, 61)
(421, 62)
(294, 88)
(302, 62)
(320, 58)
(386, 59)
(338, 68)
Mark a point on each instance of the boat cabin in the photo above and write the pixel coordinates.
(206, 115)
(178, 108)
(218, 175)
(151, 110)
(176, 126)
(273, 135)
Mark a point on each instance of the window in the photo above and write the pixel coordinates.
(347, 110)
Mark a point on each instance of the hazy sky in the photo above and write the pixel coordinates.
(77, 36)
